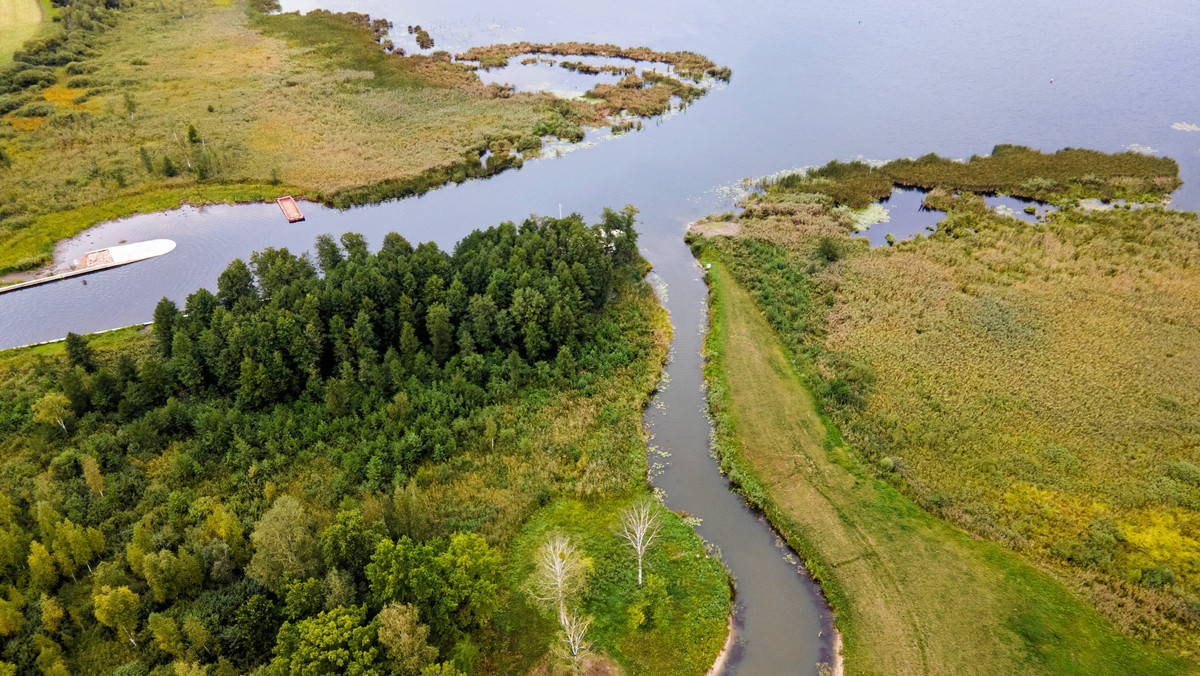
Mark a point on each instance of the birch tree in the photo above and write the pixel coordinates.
(53, 409)
(575, 648)
(92, 474)
(640, 524)
(559, 574)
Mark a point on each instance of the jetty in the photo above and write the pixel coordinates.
(290, 210)
(103, 259)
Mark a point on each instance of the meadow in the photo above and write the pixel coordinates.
(131, 109)
(911, 594)
(1022, 382)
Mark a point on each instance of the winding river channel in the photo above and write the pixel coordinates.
(812, 81)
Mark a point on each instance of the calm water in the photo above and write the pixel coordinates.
(811, 82)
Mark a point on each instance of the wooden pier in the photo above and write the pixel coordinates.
(290, 210)
(103, 259)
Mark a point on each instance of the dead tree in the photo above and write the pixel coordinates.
(640, 524)
(560, 573)
(575, 647)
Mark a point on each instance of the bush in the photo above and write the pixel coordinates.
(9, 103)
(828, 249)
(1184, 472)
(34, 110)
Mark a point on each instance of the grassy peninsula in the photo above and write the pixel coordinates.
(353, 463)
(1021, 382)
(137, 107)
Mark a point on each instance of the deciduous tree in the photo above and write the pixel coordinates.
(91, 474)
(118, 608)
(404, 639)
(339, 641)
(41, 567)
(284, 545)
(54, 408)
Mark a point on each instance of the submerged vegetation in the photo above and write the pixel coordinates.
(345, 463)
(687, 64)
(650, 94)
(1021, 381)
(121, 106)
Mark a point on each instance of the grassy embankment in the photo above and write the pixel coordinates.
(99, 126)
(1019, 381)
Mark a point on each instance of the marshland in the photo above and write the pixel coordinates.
(786, 106)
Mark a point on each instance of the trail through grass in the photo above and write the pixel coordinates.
(19, 21)
(912, 594)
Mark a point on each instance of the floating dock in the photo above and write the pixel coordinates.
(104, 259)
(290, 210)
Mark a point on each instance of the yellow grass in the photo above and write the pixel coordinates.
(278, 109)
(19, 21)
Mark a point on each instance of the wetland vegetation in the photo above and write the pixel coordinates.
(350, 463)
(1021, 381)
(133, 108)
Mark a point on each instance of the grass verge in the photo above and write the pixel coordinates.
(910, 593)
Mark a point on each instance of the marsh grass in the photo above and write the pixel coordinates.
(19, 21)
(687, 64)
(1068, 175)
(314, 104)
(1025, 379)
(910, 593)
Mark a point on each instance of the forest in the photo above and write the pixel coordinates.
(1019, 380)
(354, 462)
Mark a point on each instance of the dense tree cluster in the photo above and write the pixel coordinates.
(140, 503)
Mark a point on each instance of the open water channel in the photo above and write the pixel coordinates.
(812, 81)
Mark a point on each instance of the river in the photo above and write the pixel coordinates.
(811, 82)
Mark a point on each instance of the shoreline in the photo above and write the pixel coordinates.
(723, 656)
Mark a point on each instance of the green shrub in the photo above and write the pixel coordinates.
(40, 109)
(1184, 472)
(9, 103)
(829, 249)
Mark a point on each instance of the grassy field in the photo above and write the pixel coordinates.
(267, 107)
(19, 21)
(216, 101)
(1023, 382)
(911, 594)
